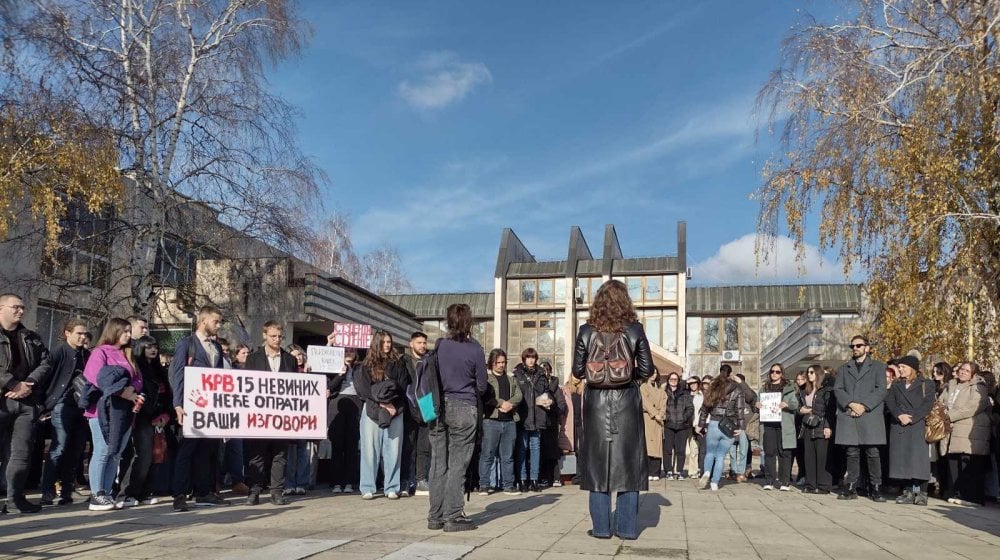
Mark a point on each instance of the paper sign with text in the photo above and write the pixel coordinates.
(235, 403)
(770, 407)
(325, 359)
(352, 335)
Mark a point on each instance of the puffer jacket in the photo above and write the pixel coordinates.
(968, 410)
(680, 408)
(732, 406)
(534, 384)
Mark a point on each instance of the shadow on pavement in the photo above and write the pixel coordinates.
(511, 507)
(649, 510)
(982, 518)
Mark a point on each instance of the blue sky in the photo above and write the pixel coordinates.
(440, 123)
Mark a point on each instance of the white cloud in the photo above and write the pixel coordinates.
(735, 263)
(444, 79)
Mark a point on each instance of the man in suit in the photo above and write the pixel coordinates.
(262, 452)
(860, 392)
(197, 458)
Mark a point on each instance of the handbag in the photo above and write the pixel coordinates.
(728, 426)
(937, 425)
(812, 420)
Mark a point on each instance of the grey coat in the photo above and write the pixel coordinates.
(867, 387)
(909, 457)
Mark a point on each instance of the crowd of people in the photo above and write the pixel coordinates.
(497, 429)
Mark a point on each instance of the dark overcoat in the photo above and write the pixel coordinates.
(909, 456)
(614, 450)
(866, 386)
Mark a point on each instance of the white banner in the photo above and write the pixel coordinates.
(325, 359)
(234, 403)
(770, 407)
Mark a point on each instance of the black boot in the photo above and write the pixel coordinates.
(906, 497)
(876, 493)
(533, 486)
(253, 498)
(278, 497)
(849, 493)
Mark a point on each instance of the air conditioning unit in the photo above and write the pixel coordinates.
(730, 356)
(578, 294)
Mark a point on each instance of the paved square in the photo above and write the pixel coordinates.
(678, 521)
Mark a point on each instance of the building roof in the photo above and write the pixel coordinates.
(587, 267)
(830, 298)
(645, 265)
(434, 306)
(541, 269)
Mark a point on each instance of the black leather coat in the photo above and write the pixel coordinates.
(614, 446)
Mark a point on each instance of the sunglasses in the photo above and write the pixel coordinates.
(776, 371)
(857, 345)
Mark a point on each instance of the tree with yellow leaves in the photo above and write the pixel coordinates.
(892, 142)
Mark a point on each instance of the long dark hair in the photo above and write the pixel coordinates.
(612, 310)
(717, 390)
(783, 382)
(376, 360)
(459, 321)
(146, 366)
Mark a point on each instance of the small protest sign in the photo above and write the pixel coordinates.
(325, 359)
(770, 407)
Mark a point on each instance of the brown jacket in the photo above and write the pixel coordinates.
(969, 415)
(654, 403)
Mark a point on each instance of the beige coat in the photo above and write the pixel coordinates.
(654, 405)
(970, 418)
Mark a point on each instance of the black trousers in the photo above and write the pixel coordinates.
(655, 464)
(675, 449)
(195, 467)
(345, 436)
(778, 459)
(702, 451)
(265, 455)
(17, 438)
(408, 458)
(966, 476)
(818, 463)
(852, 454)
(138, 459)
(423, 458)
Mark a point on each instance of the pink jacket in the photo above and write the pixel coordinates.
(107, 355)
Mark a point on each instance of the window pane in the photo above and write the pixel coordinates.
(513, 334)
(545, 291)
(670, 331)
(561, 290)
(546, 342)
(528, 291)
(634, 288)
(653, 331)
(693, 335)
(562, 334)
(595, 284)
(710, 332)
(529, 325)
(749, 334)
(654, 286)
(768, 331)
(732, 330)
(545, 324)
(513, 291)
(670, 288)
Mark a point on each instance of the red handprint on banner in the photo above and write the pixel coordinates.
(198, 398)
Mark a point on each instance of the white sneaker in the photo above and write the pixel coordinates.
(101, 502)
(126, 502)
(404, 493)
(368, 496)
(392, 495)
(768, 487)
(348, 489)
(556, 484)
(703, 481)
(715, 487)
(785, 488)
(337, 489)
(484, 493)
(150, 501)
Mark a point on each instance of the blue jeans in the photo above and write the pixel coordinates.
(298, 465)
(498, 442)
(386, 443)
(103, 466)
(738, 454)
(625, 517)
(68, 437)
(530, 444)
(717, 444)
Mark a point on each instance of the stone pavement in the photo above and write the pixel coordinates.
(740, 521)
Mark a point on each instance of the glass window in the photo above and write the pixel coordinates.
(670, 331)
(653, 332)
(545, 291)
(693, 334)
(732, 332)
(528, 291)
(513, 291)
(528, 324)
(560, 290)
(768, 331)
(670, 288)
(545, 324)
(513, 334)
(786, 322)
(634, 288)
(710, 333)
(654, 288)
(546, 341)
(749, 334)
(562, 334)
(595, 284)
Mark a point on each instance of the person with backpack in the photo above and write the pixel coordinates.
(114, 390)
(460, 374)
(613, 355)
(197, 461)
(416, 449)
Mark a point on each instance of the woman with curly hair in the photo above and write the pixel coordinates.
(615, 444)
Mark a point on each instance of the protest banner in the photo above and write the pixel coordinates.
(770, 407)
(352, 335)
(236, 403)
(325, 359)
